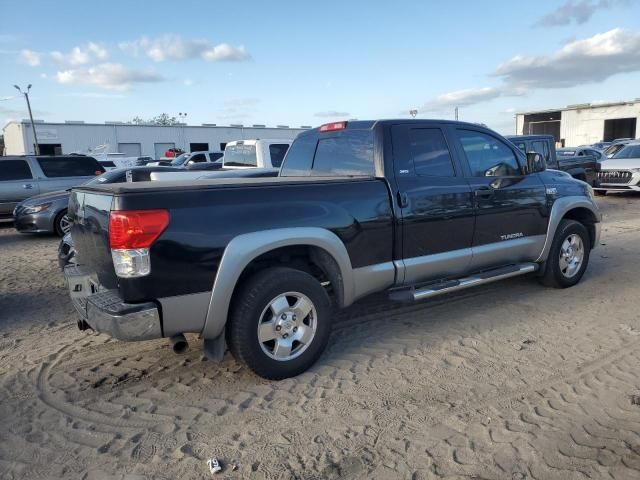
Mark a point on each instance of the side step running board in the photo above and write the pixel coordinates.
(434, 289)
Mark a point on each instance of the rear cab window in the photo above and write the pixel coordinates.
(76, 166)
(347, 152)
(240, 155)
(14, 170)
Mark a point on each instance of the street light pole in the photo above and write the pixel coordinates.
(33, 125)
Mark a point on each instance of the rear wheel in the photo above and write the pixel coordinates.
(600, 193)
(62, 224)
(280, 323)
(569, 255)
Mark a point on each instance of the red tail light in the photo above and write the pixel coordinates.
(330, 127)
(130, 229)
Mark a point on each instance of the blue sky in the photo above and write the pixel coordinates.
(305, 63)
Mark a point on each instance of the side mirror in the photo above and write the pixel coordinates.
(535, 163)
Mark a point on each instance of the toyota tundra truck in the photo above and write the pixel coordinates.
(417, 208)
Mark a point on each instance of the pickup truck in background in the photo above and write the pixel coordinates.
(582, 166)
(192, 158)
(417, 208)
(264, 155)
(260, 153)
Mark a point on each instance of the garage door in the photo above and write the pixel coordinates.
(160, 148)
(130, 149)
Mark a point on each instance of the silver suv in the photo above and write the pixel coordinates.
(24, 177)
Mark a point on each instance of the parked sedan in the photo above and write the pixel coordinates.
(580, 152)
(46, 213)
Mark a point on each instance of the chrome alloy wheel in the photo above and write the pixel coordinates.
(571, 255)
(65, 224)
(287, 326)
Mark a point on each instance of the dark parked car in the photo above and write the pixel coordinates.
(46, 213)
(22, 177)
(417, 208)
(217, 165)
(582, 167)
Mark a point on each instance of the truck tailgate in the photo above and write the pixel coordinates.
(89, 214)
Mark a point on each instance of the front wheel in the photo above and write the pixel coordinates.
(280, 322)
(569, 255)
(61, 224)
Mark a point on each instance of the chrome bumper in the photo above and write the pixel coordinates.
(105, 311)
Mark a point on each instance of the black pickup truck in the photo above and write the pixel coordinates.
(583, 167)
(415, 207)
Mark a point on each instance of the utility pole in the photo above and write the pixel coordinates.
(33, 125)
(456, 113)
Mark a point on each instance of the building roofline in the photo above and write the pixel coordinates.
(123, 124)
(582, 106)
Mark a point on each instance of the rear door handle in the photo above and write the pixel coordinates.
(403, 200)
(484, 192)
(27, 186)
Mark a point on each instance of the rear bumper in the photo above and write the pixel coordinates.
(105, 311)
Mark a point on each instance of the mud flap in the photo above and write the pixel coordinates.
(214, 348)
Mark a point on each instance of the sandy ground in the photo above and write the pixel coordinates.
(509, 381)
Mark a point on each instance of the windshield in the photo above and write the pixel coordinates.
(629, 151)
(240, 156)
(614, 148)
(179, 160)
(114, 176)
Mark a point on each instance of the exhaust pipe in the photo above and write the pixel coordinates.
(178, 343)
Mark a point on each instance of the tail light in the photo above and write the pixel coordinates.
(131, 234)
(332, 127)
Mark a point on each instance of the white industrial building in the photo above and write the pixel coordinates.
(583, 124)
(130, 139)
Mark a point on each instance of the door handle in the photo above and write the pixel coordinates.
(484, 192)
(403, 200)
(27, 186)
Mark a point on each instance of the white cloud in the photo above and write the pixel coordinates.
(578, 12)
(579, 62)
(30, 57)
(175, 48)
(589, 60)
(81, 55)
(331, 114)
(187, 82)
(461, 98)
(110, 76)
(93, 95)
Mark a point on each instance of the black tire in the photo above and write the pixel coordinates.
(553, 275)
(253, 298)
(600, 193)
(57, 223)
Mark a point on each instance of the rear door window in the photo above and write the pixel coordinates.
(79, 166)
(430, 153)
(14, 170)
(277, 152)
